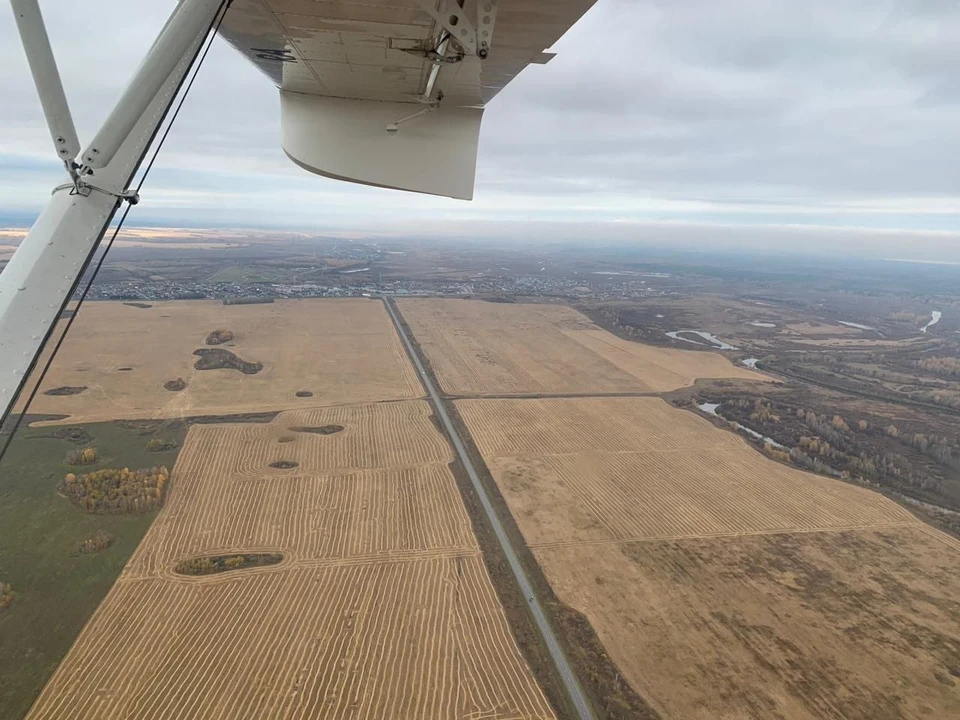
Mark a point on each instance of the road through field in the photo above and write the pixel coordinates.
(564, 669)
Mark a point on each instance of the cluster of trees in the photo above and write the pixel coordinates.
(939, 449)
(160, 445)
(830, 445)
(6, 595)
(222, 563)
(87, 456)
(908, 317)
(117, 491)
(100, 540)
(944, 366)
(761, 412)
(834, 430)
(219, 337)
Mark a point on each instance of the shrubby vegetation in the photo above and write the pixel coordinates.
(97, 542)
(944, 366)
(160, 445)
(223, 563)
(317, 429)
(117, 491)
(87, 456)
(175, 385)
(66, 390)
(217, 358)
(219, 337)
(6, 595)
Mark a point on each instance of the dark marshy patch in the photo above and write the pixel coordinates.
(318, 429)
(284, 464)
(212, 564)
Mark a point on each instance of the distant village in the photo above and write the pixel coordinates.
(506, 285)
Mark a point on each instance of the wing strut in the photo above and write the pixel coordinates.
(43, 273)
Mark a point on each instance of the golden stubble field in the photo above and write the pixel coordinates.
(381, 607)
(340, 350)
(725, 585)
(484, 348)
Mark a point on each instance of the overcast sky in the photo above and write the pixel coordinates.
(822, 124)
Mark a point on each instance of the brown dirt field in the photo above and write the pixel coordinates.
(482, 348)
(723, 584)
(340, 350)
(382, 606)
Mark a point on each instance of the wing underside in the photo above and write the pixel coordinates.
(379, 91)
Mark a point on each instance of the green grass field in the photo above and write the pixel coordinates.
(55, 588)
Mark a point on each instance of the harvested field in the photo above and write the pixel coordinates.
(344, 350)
(482, 348)
(381, 607)
(723, 584)
(859, 624)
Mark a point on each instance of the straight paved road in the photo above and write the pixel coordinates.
(564, 670)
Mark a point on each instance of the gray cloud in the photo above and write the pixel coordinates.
(815, 112)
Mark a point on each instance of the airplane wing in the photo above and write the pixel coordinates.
(391, 92)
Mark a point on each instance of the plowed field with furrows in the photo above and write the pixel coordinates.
(380, 608)
(483, 348)
(360, 514)
(374, 436)
(642, 469)
(723, 491)
(567, 425)
(721, 583)
(419, 639)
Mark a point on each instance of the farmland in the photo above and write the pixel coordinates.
(381, 606)
(721, 583)
(337, 350)
(57, 582)
(484, 348)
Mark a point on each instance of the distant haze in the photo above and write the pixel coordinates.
(809, 127)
